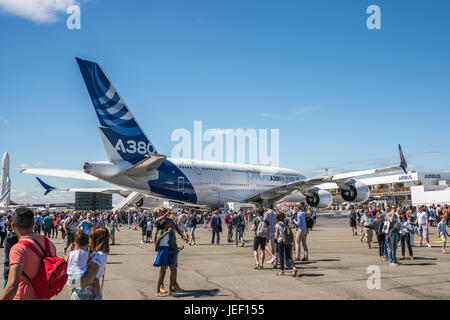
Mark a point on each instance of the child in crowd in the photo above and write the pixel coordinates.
(442, 232)
(149, 229)
(99, 243)
(113, 226)
(78, 262)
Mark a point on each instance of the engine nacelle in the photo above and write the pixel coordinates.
(356, 192)
(320, 199)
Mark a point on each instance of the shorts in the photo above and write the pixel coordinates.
(443, 237)
(192, 229)
(272, 238)
(113, 232)
(148, 233)
(368, 234)
(164, 257)
(423, 231)
(83, 293)
(259, 242)
(352, 223)
(144, 231)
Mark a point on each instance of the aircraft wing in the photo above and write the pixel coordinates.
(63, 173)
(305, 186)
(49, 189)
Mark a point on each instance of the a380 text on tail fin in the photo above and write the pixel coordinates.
(121, 134)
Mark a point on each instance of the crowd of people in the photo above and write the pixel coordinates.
(87, 237)
(393, 225)
(281, 235)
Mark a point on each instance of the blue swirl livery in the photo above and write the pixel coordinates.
(121, 134)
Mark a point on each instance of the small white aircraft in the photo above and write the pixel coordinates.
(135, 165)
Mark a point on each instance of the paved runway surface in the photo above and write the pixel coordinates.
(337, 270)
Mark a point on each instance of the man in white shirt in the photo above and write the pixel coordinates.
(422, 222)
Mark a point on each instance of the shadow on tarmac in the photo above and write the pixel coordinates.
(198, 293)
(419, 264)
(424, 258)
(310, 274)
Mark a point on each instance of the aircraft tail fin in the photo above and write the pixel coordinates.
(47, 188)
(4, 199)
(403, 163)
(120, 132)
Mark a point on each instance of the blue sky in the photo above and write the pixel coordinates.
(339, 93)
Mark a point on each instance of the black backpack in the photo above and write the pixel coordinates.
(143, 222)
(309, 222)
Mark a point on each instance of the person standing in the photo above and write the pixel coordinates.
(182, 223)
(216, 226)
(270, 217)
(314, 215)
(393, 236)
(378, 227)
(442, 232)
(352, 220)
(87, 224)
(11, 239)
(423, 223)
(405, 230)
(113, 226)
(227, 221)
(192, 225)
(285, 240)
(236, 222)
(55, 226)
(129, 219)
(24, 263)
(70, 227)
(37, 223)
(149, 229)
(142, 218)
(301, 235)
(3, 231)
(367, 222)
(262, 233)
(48, 224)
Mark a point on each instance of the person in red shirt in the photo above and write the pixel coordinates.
(23, 259)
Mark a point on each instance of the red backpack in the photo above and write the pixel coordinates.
(52, 275)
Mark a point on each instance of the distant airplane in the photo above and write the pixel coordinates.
(134, 164)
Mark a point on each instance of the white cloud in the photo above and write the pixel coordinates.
(40, 164)
(2, 119)
(24, 166)
(265, 114)
(305, 110)
(40, 11)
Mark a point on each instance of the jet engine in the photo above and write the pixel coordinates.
(320, 199)
(355, 192)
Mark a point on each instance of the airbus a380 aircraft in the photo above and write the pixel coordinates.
(134, 164)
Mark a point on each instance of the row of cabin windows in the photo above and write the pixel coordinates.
(218, 169)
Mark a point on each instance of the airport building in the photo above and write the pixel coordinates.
(93, 201)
